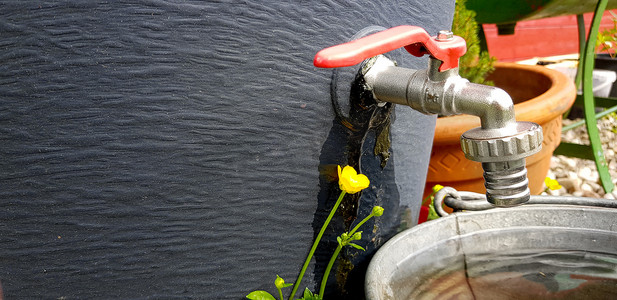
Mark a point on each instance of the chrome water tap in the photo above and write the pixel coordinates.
(500, 144)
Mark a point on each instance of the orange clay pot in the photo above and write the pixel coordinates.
(540, 95)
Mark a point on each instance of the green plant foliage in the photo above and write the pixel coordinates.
(475, 65)
(430, 201)
(607, 39)
(308, 295)
(260, 295)
(432, 213)
(614, 116)
(349, 182)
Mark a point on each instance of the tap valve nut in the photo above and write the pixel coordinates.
(484, 145)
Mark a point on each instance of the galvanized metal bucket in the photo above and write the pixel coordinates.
(535, 251)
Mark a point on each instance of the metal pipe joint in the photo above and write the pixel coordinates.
(500, 144)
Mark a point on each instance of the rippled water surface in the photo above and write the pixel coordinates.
(537, 274)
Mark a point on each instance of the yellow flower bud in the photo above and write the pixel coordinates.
(377, 211)
(437, 187)
(357, 236)
(279, 282)
(350, 181)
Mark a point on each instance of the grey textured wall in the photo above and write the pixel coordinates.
(183, 149)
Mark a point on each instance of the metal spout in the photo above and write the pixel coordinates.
(500, 144)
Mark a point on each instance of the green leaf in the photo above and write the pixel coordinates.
(432, 214)
(356, 246)
(260, 295)
(339, 240)
(308, 295)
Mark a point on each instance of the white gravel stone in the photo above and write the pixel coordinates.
(594, 186)
(585, 187)
(579, 177)
(586, 174)
(570, 184)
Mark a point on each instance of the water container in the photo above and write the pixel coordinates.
(529, 252)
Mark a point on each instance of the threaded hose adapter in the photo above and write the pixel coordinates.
(502, 153)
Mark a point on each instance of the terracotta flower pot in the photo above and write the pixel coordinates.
(540, 95)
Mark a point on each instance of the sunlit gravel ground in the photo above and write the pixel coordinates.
(579, 177)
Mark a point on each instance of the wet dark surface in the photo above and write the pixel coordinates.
(173, 150)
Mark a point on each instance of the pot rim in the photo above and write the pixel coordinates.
(557, 99)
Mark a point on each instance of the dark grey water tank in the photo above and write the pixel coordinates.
(184, 149)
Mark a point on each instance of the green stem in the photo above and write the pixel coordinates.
(322, 288)
(427, 199)
(360, 224)
(280, 293)
(310, 255)
(328, 269)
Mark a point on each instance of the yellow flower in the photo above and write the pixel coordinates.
(552, 183)
(350, 181)
(437, 187)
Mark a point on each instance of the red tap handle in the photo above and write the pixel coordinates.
(415, 40)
